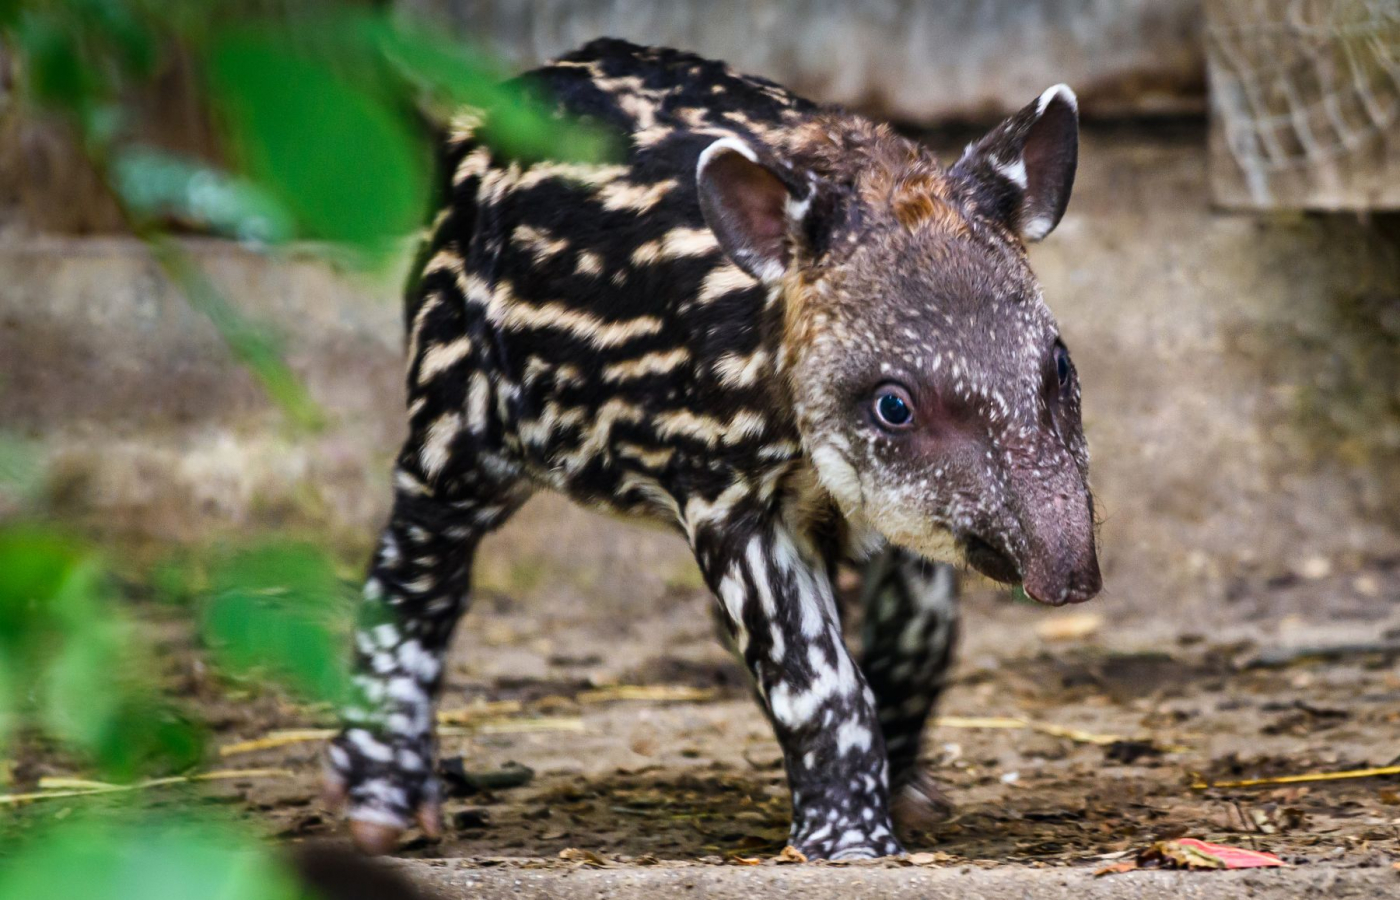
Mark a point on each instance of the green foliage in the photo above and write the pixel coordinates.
(65, 661)
(155, 185)
(320, 111)
(339, 157)
(280, 611)
(66, 656)
(143, 858)
(448, 76)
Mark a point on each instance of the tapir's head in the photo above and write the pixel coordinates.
(934, 395)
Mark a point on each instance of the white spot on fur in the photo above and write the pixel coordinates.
(368, 745)
(1015, 172)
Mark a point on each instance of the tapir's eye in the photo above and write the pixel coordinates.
(1062, 366)
(892, 408)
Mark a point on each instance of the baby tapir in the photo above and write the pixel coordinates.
(781, 328)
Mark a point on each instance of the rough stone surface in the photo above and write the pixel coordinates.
(869, 883)
(906, 59)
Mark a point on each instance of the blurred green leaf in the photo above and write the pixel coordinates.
(179, 578)
(50, 583)
(78, 682)
(58, 76)
(116, 23)
(9, 714)
(67, 661)
(253, 346)
(118, 859)
(281, 612)
(146, 736)
(157, 185)
(519, 125)
(340, 158)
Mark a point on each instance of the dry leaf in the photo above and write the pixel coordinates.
(790, 854)
(928, 859)
(1118, 868)
(738, 860)
(585, 857)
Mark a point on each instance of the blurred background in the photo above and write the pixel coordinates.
(205, 214)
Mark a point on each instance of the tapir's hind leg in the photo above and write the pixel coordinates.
(911, 624)
(381, 764)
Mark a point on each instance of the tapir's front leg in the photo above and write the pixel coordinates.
(911, 626)
(776, 596)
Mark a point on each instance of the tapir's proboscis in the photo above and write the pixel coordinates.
(781, 328)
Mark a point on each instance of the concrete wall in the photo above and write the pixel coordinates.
(913, 60)
(1242, 384)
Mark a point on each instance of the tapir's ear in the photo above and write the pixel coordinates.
(1025, 166)
(752, 207)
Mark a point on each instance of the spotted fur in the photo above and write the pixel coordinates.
(692, 335)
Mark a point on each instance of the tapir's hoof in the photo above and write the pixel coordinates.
(374, 838)
(919, 804)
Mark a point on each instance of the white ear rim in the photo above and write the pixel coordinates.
(768, 272)
(730, 144)
(795, 209)
(1063, 92)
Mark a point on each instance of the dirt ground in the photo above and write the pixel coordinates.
(1125, 722)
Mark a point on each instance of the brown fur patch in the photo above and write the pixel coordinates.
(915, 209)
(887, 171)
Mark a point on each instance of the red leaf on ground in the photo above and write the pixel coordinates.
(1190, 853)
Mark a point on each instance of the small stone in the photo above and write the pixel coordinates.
(1071, 626)
(1366, 585)
(1315, 567)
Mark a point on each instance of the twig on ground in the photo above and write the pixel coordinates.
(655, 692)
(1013, 723)
(478, 710)
(56, 787)
(288, 736)
(1201, 784)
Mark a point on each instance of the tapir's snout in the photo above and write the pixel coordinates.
(1051, 576)
(1063, 578)
(1045, 543)
(1059, 561)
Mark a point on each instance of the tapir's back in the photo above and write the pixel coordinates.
(595, 300)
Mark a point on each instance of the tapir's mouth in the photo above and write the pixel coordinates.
(990, 561)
